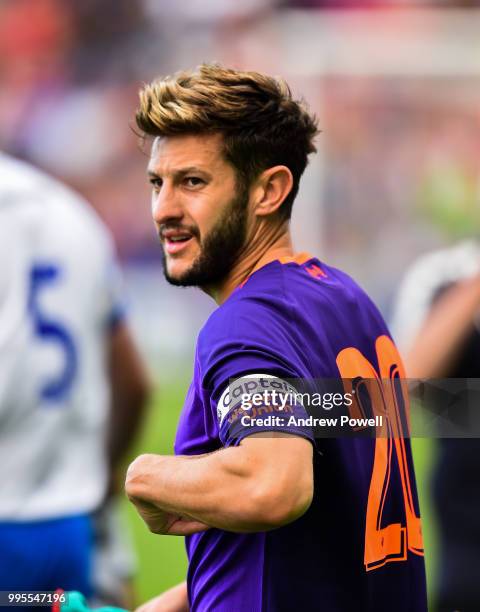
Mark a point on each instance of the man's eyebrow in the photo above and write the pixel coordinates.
(180, 172)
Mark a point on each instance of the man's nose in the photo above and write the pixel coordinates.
(165, 206)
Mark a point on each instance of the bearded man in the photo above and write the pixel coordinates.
(275, 519)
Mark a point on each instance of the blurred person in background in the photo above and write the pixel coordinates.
(437, 323)
(72, 386)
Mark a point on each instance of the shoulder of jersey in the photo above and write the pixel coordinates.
(265, 292)
(22, 182)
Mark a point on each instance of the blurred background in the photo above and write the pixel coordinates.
(395, 89)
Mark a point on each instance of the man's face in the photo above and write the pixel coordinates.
(198, 209)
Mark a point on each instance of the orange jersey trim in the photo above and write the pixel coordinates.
(300, 258)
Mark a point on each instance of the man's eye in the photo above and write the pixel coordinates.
(194, 181)
(156, 183)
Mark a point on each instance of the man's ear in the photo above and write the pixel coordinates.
(271, 189)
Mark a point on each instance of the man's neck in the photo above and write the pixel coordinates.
(249, 262)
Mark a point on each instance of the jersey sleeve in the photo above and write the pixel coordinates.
(248, 381)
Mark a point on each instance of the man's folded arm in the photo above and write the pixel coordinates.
(264, 483)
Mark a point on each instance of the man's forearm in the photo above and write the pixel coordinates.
(130, 391)
(195, 487)
(444, 331)
(173, 600)
(225, 489)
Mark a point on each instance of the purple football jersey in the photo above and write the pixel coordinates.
(358, 547)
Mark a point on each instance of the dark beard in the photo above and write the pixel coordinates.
(219, 249)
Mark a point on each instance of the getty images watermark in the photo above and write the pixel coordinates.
(331, 408)
(264, 401)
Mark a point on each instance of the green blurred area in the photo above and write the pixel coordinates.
(162, 560)
(423, 456)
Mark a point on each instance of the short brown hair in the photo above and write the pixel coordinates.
(262, 125)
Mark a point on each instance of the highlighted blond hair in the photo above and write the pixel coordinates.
(262, 125)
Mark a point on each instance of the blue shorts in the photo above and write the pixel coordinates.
(47, 555)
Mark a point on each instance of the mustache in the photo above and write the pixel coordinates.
(191, 229)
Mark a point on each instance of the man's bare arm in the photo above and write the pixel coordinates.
(130, 389)
(173, 600)
(262, 484)
(444, 331)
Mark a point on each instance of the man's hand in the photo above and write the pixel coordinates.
(173, 600)
(161, 522)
